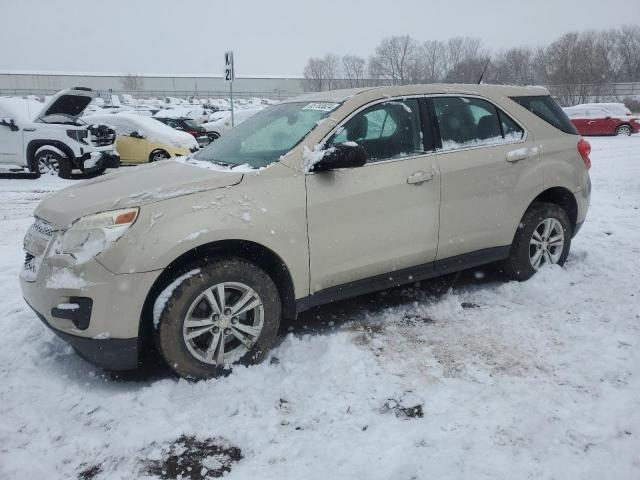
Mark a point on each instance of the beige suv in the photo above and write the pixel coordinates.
(316, 199)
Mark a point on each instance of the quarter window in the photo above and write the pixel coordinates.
(472, 122)
(386, 130)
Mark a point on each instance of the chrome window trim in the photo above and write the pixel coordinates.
(524, 138)
(425, 153)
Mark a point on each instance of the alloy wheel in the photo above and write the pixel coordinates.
(48, 163)
(223, 323)
(546, 244)
(624, 130)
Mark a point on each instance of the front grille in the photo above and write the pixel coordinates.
(27, 259)
(42, 228)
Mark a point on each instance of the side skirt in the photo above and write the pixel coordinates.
(402, 277)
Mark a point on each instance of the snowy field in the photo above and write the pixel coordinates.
(458, 378)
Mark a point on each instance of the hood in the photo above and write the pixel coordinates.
(71, 103)
(132, 187)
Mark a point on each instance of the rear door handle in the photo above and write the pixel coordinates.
(518, 155)
(420, 177)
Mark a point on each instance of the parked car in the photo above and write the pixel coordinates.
(48, 138)
(144, 139)
(619, 109)
(599, 121)
(204, 256)
(187, 125)
(198, 114)
(220, 122)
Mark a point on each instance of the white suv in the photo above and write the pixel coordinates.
(316, 199)
(50, 138)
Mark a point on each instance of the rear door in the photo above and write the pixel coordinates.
(382, 217)
(11, 140)
(487, 176)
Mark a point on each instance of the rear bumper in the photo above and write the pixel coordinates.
(112, 354)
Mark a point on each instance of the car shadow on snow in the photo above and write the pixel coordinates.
(327, 317)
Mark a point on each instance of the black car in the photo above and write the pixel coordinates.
(187, 125)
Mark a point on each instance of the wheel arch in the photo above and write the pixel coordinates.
(156, 150)
(256, 253)
(562, 197)
(35, 145)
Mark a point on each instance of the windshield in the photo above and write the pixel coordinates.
(190, 123)
(264, 137)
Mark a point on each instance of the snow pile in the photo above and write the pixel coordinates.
(466, 376)
(165, 295)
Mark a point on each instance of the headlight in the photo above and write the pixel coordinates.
(78, 135)
(90, 235)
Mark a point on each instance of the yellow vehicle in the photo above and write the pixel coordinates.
(142, 139)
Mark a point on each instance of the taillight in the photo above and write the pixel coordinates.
(584, 148)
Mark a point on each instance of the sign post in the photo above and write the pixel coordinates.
(229, 77)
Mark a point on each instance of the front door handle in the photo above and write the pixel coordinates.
(420, 177)
(29, 129)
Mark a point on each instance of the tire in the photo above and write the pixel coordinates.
(158, 155)
(194, 351)
(624, 130)
(51, 162)
(528, 252)
(213, 136)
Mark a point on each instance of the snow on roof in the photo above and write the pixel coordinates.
(20, 108)
(154, 130)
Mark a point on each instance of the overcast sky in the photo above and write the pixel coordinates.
(268, 36)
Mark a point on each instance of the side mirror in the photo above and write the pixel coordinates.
(346, 155)
(11, 123)
(607, 118)
(136, 134)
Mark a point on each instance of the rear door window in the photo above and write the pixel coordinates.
(466, 122)
(548, 110)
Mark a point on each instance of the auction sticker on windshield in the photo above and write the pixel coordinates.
(321, 106)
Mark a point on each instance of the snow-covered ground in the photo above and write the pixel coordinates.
(462, 377)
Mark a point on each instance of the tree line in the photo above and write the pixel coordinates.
(577, 66)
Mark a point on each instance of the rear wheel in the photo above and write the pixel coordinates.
(227, 312)
(624, 130)
(543, 238)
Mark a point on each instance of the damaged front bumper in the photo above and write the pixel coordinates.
(91, 162)
(96, 311)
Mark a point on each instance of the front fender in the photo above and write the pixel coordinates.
(268, 209)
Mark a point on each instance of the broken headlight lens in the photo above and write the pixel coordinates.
(92, 234)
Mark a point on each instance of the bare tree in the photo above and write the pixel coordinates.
(314, 78)
(132, 82)
(627, 45)
(321, 73)
(515, 66)
(433, 62)
(393, 59)
(353, 70)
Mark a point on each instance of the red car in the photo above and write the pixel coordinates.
(600, 121)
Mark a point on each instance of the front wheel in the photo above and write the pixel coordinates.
(224, 313)
(158, 155)
(624, 130)
(52, 163)
(543, 238)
